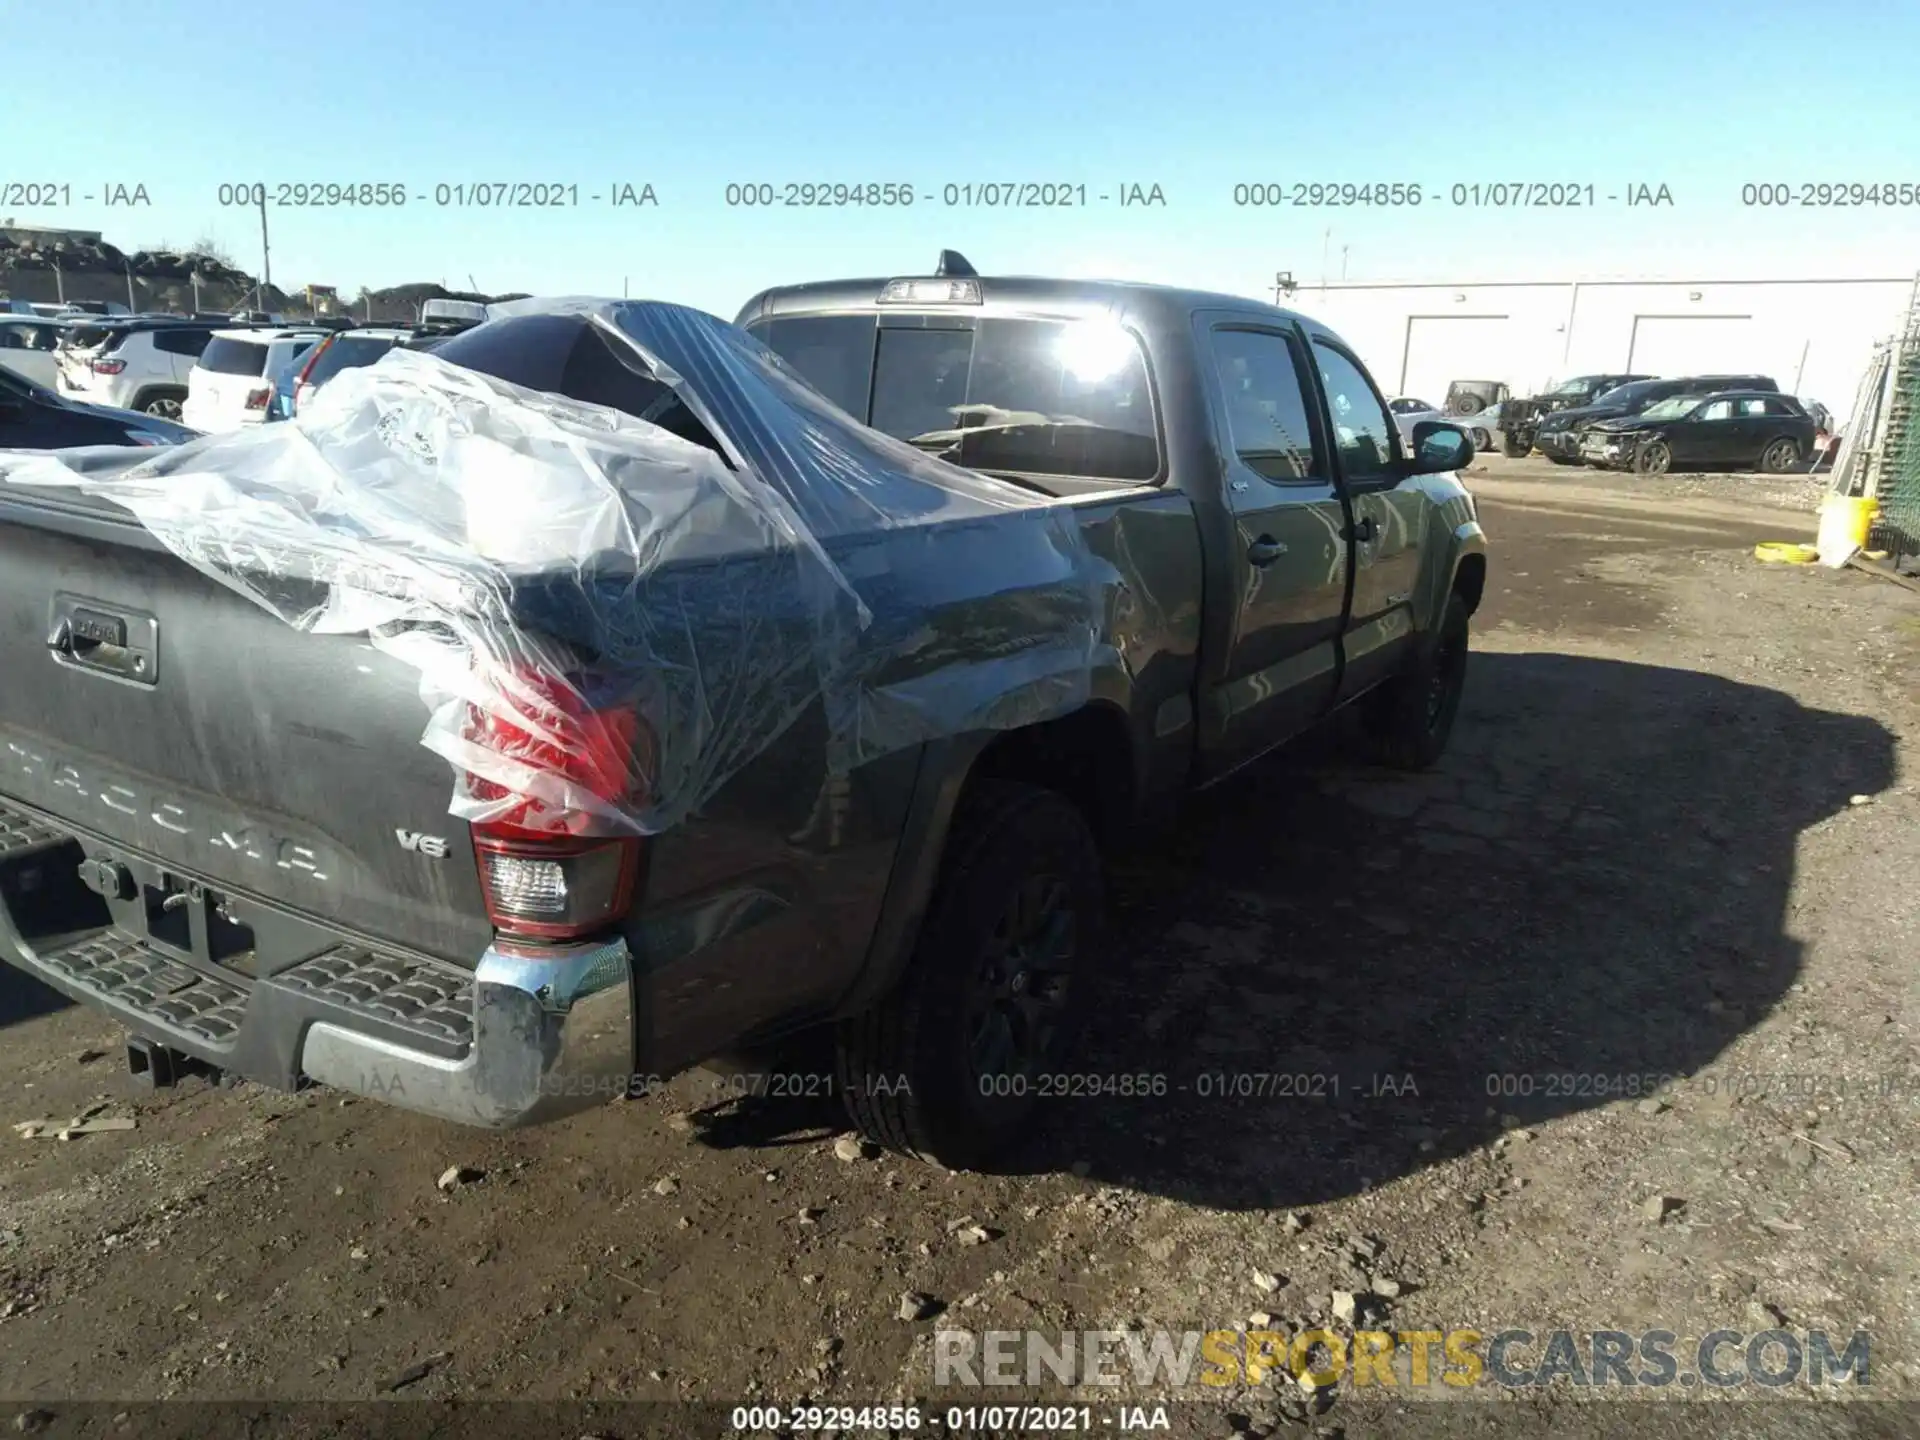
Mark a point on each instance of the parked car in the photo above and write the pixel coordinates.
(1520, 418)
(346, 351)
(1409, 411)
(1473, 397)
(35, 417)
(131, 364)
(1257, 549)
(232, 384)
(1726, 430)
(1559, 434)
(27, 346)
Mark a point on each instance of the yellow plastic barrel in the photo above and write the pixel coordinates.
(1846, 521)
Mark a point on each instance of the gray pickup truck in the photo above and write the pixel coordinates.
(228, 835)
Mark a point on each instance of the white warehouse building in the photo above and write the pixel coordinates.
(1814, 336)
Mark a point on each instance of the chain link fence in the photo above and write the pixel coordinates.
(1899, 483)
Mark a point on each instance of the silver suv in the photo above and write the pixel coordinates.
(141, 365)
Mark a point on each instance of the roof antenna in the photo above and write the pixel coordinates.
(952, 262)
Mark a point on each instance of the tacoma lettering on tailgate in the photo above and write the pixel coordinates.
(73, 790)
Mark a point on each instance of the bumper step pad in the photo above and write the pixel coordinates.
(428, 1000)
(126, 970)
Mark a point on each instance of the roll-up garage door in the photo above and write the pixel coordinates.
(1443, 348)
(1697, 345)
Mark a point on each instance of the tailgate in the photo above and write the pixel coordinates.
(222, 743)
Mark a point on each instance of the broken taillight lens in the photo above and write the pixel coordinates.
(541, 877)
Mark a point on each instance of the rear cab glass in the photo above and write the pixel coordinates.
(1036, 397)
(234, 357)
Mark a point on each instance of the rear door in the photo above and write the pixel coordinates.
(1389, 517)
(1711, 436)
(1290, 553)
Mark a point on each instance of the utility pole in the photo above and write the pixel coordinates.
(266, 255)
(1343, 262)
(131, 307)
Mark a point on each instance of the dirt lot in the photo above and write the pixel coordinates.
(1676, 837)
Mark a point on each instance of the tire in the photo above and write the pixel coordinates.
(1466, 405)
(1654, 458)
(1410, 718)
(162, 405)
(1482, 442)
(1564, 459)
(917, 1070)
(1781, 456)
(1513, 449)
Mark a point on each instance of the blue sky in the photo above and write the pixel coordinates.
(1701, 97)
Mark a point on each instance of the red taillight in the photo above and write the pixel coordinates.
(540, 875)
(106, 367)
(261, 398)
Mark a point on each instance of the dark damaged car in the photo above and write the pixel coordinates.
(1730, 430)
(743, 720)
(1560, 432)
(1521, 418)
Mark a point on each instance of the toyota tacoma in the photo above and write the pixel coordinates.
(1029, 559)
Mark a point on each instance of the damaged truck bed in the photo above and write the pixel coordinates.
(594, 696)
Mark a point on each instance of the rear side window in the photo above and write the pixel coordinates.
(347, 352)
(1782, 409)
(1266, 400)
(234, 357)
(181, 341)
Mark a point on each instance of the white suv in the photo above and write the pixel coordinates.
(131, 365)
(232, 384)
(27, 346)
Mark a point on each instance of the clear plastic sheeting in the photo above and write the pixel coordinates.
(611, 616)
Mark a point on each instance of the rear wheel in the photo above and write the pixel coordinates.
(1564, 459)
(1410, 718)
(1654, 458)
(946, 1067)
(1512, 448)
(162, 406)
(1482, 441)
(1781, 456)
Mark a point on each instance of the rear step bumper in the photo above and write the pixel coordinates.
(516, 1041)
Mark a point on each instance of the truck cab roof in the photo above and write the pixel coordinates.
(1001, 295)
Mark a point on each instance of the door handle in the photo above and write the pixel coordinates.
(1365, 530)
(1265, 551)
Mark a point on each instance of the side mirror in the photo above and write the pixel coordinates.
(1439, 447)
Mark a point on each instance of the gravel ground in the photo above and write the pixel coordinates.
(1607, 1024)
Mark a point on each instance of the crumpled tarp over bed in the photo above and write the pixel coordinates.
(554, 569)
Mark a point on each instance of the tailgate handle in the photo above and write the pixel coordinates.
(96, 639)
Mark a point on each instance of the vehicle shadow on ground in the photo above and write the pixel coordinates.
(24, 998)
(1345, 974)
(1328, 975)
